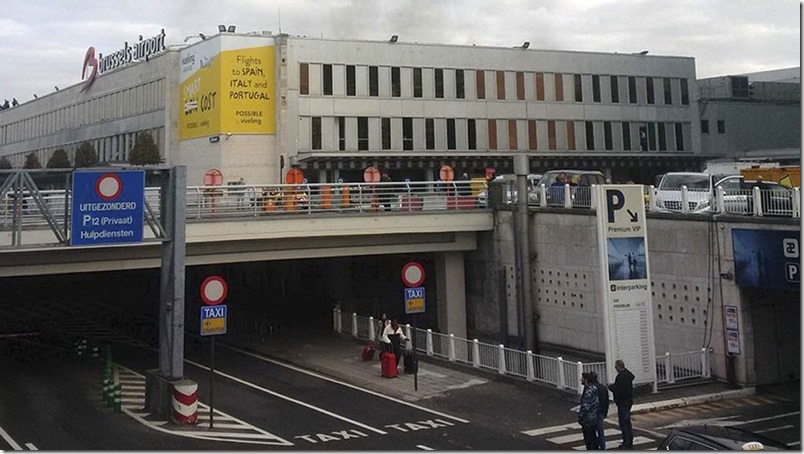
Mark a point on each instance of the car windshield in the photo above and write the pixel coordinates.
(690, 181)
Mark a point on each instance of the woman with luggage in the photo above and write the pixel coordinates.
(394, 336)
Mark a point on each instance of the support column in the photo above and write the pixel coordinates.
(451, 285)
(522, 168)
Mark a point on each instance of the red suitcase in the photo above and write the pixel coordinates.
(368, 352)
(388, 365)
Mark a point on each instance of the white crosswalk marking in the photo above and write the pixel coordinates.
(564, 439)
(570, 436)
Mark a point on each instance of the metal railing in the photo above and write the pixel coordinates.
(555, 371)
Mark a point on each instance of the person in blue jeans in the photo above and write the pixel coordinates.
(623, 389)
(603, 409)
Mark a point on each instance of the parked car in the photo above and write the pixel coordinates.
(719, 438)
(580, 182)
(509, 183)
(700, 191)
(738, 196)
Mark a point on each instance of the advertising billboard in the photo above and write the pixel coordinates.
(227, 87)
(767, 258)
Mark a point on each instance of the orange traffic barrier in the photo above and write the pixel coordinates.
(326, 197)
(345, 196)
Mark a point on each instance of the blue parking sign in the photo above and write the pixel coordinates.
(107, 207)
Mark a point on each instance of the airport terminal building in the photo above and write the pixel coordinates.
(252, 105)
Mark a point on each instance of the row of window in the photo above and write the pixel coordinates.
(369, 133)
(120, 104)
(721, 127)
(439, 83)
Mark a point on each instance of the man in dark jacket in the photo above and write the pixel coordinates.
(588, 413)
(623, 389)
(603, 398)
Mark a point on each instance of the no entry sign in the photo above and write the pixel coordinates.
(413, 274)
(214, 290)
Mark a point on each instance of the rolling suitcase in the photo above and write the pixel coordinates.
(368, 352)
(388, 365)
(410, 364)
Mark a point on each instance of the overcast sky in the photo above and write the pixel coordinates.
(43, 42)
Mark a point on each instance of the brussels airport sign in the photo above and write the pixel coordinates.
(143, 49)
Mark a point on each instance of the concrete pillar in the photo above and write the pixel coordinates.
(451, 285)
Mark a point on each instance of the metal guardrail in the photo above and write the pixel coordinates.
(556, 371)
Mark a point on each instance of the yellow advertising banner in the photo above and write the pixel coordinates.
(226, 91)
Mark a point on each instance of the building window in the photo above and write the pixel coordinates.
(559, 83)
(459, 90)
(471, 134)
(532, 142)
(679, 137)
(652, 136)
(429, 133)
(386, 133)
(607, 135)
(304, 79)
(362, 133)
(417, 82)
(316, 127)
(571, 135)
(595, 88)
(450, 133)
(578, 88)
(350, 80)
(615, 89)
(668, 91)
(407, 133)
(551, 135)
(685, 96)
(590, 135)
(632, 91)
(341, 133)
(704, 126)
(520, 85)
(721, 127)
(662, 137)
(539, 86)
(374, 81)
(649, 90)
(396, 87)
(500, 84)
(480, 77)
(643, 138)
(492, 134)
(327, 79)
(439, 83)
(512, 142)
(626, 135)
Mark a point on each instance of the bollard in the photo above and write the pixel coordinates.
(105, 388)
(95, 351)
(110, 395)
(118, 398)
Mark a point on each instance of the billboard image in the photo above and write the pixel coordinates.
(227, 87)
(766, 258)
(627, 258)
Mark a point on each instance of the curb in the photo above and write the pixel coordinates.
(691, 400)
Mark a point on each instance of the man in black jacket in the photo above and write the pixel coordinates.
(623, 389)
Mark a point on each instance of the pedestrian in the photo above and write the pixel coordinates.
(382, 322)
(395, 337)
(557, 190)
(465, 186)
(386, 191)
(623, 389)
(588, 413)
(603, 397)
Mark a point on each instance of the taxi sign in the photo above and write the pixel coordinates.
(414, 300)
(213, 320)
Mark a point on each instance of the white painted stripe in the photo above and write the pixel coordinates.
(637, 441)
(348, 385)
(579, 436)
(795, 443)
(769, 418)
(290, 399)
(789, 426)
(132, 400)
(547, 430)
(31, 447)
(133, 393)
(10, 440)
(218, 425)
(207, 434)
(425, 448)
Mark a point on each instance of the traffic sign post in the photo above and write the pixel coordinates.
(107, 207)
(213, 322)
(413, 278)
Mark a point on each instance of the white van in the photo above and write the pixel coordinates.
(700, 191)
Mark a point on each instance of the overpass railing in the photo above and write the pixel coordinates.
(524, 365)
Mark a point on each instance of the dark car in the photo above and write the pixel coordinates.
(717, 438)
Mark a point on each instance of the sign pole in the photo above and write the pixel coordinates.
(415, 358)
(211, 381)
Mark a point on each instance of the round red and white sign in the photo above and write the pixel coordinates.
(214, 290)
(413, 274)
(108, 186)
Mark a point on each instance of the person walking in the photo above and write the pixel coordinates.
(623, 389)
(603, 398)
(395, 336)
(588, 413)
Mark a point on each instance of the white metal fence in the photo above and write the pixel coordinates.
(556, 371)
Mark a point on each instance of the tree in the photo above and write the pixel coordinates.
(86, 155)
(59, 160)
(32, 161)
(145, 151)
(5, 163)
